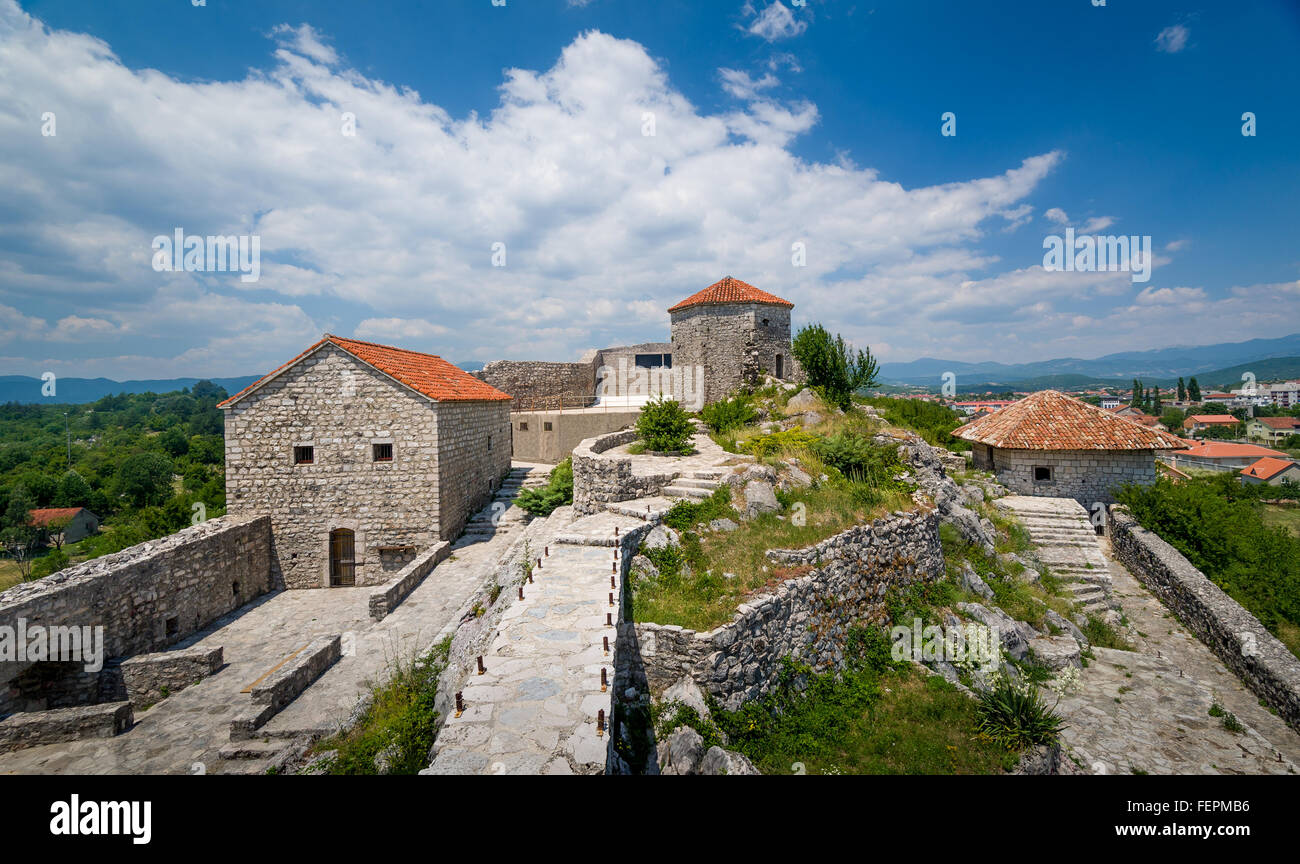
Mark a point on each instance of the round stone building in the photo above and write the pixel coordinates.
(736, 334)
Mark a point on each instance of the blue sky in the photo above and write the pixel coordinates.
(774, 124)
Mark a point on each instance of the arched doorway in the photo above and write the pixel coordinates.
(342, 558)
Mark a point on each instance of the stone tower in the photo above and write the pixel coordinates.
(736, 334)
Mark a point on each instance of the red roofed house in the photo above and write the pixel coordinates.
(1221, 455)
(1053, 445)
(1272, 429)
(1197, 422)
(74, 523)
(362, 455)
(736, 333)
(1272, 471)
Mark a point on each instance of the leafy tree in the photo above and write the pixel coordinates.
(206, 391)
(1193, 390)
(832, 366)
(145, 478)
(1182, 391)
(73, 491)
(18, 509)
(664, 426)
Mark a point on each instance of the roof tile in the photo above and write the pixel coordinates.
(729, 290)
(1050, 420)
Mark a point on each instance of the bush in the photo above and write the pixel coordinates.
(728, 414)
(779, 442)
(932, 421)
(1015, 716)
(685, 515)
(664, 426)
(832, 366)
(558, 491)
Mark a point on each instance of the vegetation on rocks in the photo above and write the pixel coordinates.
(930, 420)
(558, 491)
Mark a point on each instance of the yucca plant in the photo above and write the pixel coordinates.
(1015, 716)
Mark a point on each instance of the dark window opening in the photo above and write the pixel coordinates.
(304, 455)
(523, 427)
(234, 588)
(780, 366)
(546, 427)
(1042, 474)
(654, 361)
(383, 452)
(172, 626)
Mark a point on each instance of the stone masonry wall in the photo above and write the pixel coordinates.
(1232, 633)
(342, 407)
(1084, 475)
(145, 597)
(807, 619)
(599, 480)
(538, 385)
(734, 342)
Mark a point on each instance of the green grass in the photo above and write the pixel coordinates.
(401, 721)
(705, 598)
(1276, 516)
(873, 718)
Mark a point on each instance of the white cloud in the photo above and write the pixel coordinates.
(776, 22)
(740, 84)
(402, 331)
(1172, 39)
(1095, 224)
(1057, 215)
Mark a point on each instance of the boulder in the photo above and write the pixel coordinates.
(804, 400)
(1056, 652)
(969, 579)
(660, 537)
(1014, 635)
(685, 750)
(643, 569)
(687, 692)
(723, 525)
(760, 497)
(810, 418)
(1060, 622)
(719, 762)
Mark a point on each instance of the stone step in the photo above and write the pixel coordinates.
(696, 483)
(676, 491)
(253, 749)
(711, 473)
(645, 509)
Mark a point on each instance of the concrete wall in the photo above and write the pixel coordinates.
(551, 446)
(145, 597)
(736, 343)
(537, 384)
(1232, 633)
(1084, 475)
(807, 619)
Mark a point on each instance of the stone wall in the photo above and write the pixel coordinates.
(1232, 633)
(735, 343)
(390, 596)
(537, 385)
(1084, 475)
(64, 724)
(149, 678)
(442, 466)
(599, 480)
(807, 619)
(145, 597)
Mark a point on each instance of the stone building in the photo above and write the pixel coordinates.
(362, 454)
(736, 333)
(1053, 445)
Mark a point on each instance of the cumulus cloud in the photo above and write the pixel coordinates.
(776, 22)
(1172, 39)
(389, 233)
(740, 84)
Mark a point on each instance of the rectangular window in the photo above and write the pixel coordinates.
(546, 427)
(304, 455)
(382, 452)
(1042, 474)
(523, 427)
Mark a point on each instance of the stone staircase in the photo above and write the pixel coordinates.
(500, 516)
(1069, 546)
(698, 484)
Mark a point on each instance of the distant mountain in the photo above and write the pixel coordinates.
(20, 388)
(1155, 365)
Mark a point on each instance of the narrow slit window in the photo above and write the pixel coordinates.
(383, 452)
(304, 455)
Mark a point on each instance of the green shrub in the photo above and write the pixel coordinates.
(1015, 716)
(832, 366)
(931, 421)
(728, 414)
(664, 426)
(685, 515)
(779, 442)
(558, 491)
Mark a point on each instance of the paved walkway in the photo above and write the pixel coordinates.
(535, 709)
(185, 732)
(1148, 710)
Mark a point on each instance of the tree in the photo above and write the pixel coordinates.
(832, 366)
(73, 491)
(1137, 394)
(174, 442)
(145, 478)
(1182, 391)
(1193, 390)
(206, 391)
(1155, 403)
(18, 510)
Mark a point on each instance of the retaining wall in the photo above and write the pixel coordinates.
(1231, 632)
(599, 480)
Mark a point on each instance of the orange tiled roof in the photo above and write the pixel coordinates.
(1210, 418)
(1280, 422)
(1227, 450)
(427, 374)
(47, 515)
(1050, 420)
(729, 290)
(1267, 468)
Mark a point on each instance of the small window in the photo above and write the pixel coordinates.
(304, 455)
(764, 322)
(1042, 474)
(173, 626)
(382, 452)
(523, 426)
(546, 427)
(489, 443)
